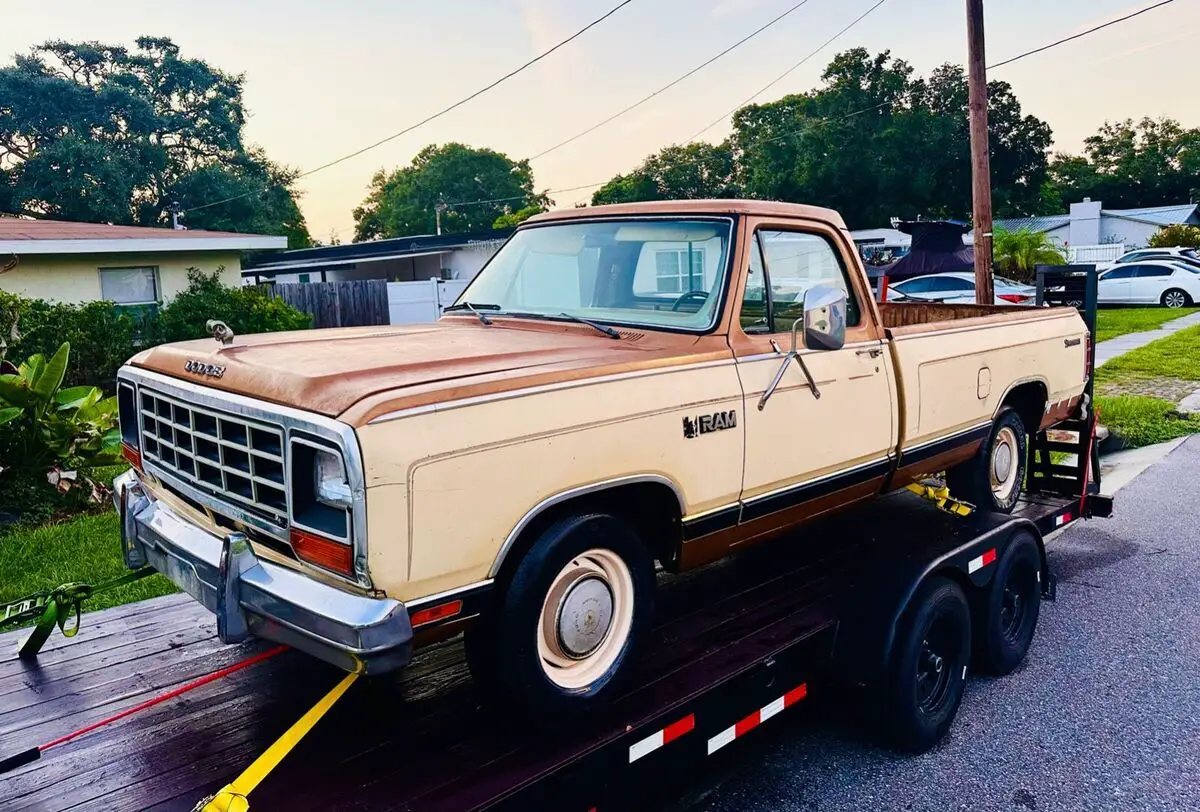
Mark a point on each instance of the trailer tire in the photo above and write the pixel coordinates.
(928, 666)
(561, 637)
(1012, 602)
(993, 478)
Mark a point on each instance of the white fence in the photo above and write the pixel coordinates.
(420, 302)
(1090, 254)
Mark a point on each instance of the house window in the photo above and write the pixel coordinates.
(129, 286)
(671, 269)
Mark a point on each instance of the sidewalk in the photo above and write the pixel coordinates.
(1108, 350)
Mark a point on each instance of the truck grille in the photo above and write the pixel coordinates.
(234, 458)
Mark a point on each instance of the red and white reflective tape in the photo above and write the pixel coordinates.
(757, 718)
(665, 736)
(976, 564)
(1059, 521)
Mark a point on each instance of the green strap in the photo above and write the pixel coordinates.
(56, 607)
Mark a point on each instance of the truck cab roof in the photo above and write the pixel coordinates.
(761, 208)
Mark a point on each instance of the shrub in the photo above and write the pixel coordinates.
(1176, 236)
(102, 336)
(1017, 254)
(50, 436)
(245, 310)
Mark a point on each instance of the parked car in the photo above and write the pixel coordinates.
(1189, 256)
(959, 288)
(1152, 281)
(515, 469)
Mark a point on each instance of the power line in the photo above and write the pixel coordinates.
(821, 121)
(441, 112)
(787, 72)
(1080, 34)
(670, 85)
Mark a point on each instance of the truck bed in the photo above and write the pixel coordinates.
(897, 315)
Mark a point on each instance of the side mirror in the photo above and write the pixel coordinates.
(824, 319)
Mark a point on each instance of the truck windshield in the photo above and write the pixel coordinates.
(659, 273)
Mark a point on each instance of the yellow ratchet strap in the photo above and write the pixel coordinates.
(939, 494)
(233, 797)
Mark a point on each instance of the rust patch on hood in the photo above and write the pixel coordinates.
(328, 371)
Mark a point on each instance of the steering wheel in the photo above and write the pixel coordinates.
(698, 295)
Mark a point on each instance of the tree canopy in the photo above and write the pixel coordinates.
(104, 133)
(873, 141)
(1154, 162)
(405, 201)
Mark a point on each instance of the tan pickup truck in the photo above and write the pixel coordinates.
(620, 385)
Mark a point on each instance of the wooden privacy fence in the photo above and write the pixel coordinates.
(338, 304)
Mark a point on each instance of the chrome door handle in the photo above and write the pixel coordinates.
(874, 352)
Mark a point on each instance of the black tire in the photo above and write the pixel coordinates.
(927, 672)
(503, 649)
(1175, 298)
(1008, 617)
(972, 481)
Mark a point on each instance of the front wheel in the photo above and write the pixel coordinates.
(993, 478)
(928, 669)
(575, 610)
(1175, 298)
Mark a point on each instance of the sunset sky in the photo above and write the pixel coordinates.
(324, 79)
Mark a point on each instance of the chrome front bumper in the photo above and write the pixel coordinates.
(251, 596)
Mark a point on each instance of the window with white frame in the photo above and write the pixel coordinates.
(129, 286)
(673, 273)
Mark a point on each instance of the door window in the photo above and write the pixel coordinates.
(783, 266)
(1146, 271)
(1120, 273)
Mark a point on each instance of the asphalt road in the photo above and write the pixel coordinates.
(1103, 715)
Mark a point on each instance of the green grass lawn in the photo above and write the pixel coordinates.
(1140, 420)
(85, 548)
(1118, 322)
(1177, 356)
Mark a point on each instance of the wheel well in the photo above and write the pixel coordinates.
(1028, 400)
(650, 508)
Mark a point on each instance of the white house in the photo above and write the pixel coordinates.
(1088, 223)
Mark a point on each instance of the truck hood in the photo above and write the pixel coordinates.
(327, 371)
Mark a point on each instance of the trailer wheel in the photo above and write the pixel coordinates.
(1012, 603)
(575, 610)
(928, 668)
(993, 478)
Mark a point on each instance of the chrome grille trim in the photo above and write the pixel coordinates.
(285, 418)
(175, 434)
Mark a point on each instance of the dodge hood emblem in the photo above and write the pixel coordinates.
(197, 367)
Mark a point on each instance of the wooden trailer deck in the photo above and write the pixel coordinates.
(395, 741)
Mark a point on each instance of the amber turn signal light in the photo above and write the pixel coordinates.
(332, 555)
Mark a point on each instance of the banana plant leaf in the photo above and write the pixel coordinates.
(10, 413)
(46, 383)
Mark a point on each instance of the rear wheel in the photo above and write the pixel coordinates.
(993, 478)
(575, 610)
(1176, 298)
(924, 685)
(1011, 606)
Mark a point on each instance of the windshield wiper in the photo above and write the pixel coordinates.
(608, 331)
(474, 308)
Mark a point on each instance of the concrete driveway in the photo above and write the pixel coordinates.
(1104, 715)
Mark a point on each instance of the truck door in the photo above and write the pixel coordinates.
(807, 454)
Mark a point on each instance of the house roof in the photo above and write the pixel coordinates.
(19, 235)
(1035, 224)
(371, 251)
(1159, 215)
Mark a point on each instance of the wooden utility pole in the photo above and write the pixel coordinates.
(981, 171)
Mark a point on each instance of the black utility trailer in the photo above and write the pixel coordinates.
(882, 599)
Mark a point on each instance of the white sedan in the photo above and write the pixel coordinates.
(1162, 282)
(957, 287)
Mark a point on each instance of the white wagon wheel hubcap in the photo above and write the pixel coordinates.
(1005, 465)
(586, 618)
(1174, 299)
